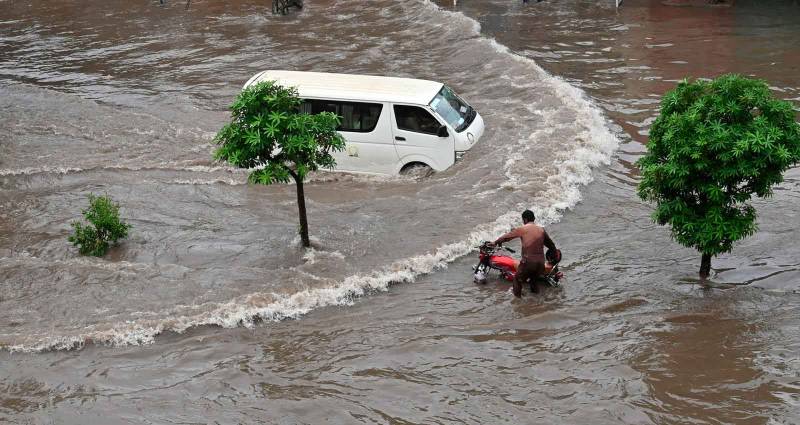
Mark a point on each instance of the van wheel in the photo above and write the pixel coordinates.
(416, 170)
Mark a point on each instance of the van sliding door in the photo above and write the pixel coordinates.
(367, 132)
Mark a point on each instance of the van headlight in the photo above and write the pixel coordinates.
(460, 155)
(471, 138)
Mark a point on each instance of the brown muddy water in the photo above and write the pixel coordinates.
(185, 321)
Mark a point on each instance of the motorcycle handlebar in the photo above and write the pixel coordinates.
(497, 247)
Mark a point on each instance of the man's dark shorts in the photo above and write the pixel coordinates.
(527, 270)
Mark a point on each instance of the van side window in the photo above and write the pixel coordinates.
(356, 116)
(414, 118)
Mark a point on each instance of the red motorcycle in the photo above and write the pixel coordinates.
(491, 258)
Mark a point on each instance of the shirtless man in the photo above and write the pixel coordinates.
(534, 238)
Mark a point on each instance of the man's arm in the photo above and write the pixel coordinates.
(508, 236)
(549, 242)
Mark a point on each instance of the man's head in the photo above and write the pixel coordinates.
(528, 217)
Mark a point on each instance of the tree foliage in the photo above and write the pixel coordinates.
(271, 137)
(104, 227)
(715, 145)
(268, 135)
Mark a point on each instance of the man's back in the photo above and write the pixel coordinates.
(534, 238)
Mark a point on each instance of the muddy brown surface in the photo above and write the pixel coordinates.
(211, 313)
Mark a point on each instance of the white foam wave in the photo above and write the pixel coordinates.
(598, 141)
(455, 17)
(311, 255)
(246, 311)
(324, 176)
(41, 170)
(207, 182)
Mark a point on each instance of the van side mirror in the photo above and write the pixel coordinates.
(442, 131)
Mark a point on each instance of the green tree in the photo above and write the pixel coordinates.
(715, 145)
(269, 136)
(104, 227)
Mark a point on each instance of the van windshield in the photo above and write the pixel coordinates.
(453, 109)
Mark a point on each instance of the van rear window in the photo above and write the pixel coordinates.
(356, 116)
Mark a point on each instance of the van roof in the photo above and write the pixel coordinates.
(353, 87)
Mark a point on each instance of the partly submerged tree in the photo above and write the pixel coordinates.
(715, 145)
(271, 137)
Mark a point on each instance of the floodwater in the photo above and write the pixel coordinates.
(185, 322)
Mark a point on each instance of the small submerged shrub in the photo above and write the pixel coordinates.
(104, 227)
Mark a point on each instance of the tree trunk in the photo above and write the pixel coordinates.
(705, 266)
(301, 206)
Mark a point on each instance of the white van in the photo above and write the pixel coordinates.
(390, 124)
